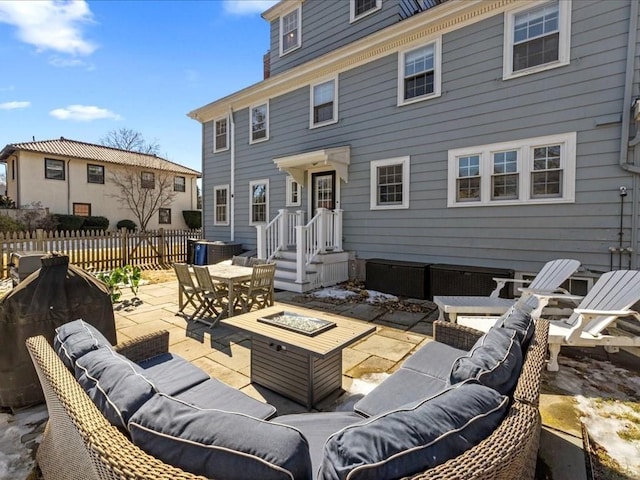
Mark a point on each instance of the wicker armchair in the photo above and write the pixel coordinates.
(79, 443)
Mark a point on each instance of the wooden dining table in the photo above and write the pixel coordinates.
(231, 275)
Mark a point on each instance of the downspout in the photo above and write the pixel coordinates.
(626, 119)
(69, 209)
(232, 180)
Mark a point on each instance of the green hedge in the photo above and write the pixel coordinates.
(193, 218)
(130, 225)
(69, 222)
(95, 223)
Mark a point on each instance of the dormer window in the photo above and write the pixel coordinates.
(361, 8)
(290, 31)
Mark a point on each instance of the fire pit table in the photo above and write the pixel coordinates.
(297, 352)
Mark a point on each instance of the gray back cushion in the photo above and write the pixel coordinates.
(495, 361)
(414, 438)
(219, 444)
(518, 318)
(72, 340)
(113, 384)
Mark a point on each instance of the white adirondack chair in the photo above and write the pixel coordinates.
(545, 286)
(610, 298)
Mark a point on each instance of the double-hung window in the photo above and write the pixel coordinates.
(361, 8)
(390, 183)
(82, 209)
(221, 135)
(259, 202)
(537, 38)
(179, 184)
(259, 123)
(54, 169)
(290, 31)
(95, 173)
(164, 216)
(419, 73)
(221, 205)
(324, 103)
(535, 170)
(148, 180)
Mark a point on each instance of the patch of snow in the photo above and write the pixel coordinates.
(359, 388)
(16, 460)
(379, 297)
(337, 293)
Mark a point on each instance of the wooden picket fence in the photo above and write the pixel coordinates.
(99, 251)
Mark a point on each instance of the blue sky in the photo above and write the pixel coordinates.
(81, 69)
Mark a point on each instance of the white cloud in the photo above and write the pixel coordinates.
(83, 113)
(62, 62)
(50, 24)
(14, 105)
(247, 7)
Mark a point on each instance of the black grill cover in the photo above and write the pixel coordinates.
(56, 294)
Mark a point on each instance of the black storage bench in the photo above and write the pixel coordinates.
(466, 280)
(396, 277)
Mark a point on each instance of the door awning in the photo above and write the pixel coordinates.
(295, 165)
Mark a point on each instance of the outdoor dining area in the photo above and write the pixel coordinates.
(220, 290)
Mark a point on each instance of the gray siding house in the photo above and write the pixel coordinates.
(487, 133)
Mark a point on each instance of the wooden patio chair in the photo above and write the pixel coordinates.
(213, 295)
(545, 287)
(191, 292)
(259, 290)
(239, 260)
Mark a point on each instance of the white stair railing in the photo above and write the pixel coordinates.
(322, 233)
(278, 234)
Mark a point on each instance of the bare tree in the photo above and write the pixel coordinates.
(145, 189)
(127, 139)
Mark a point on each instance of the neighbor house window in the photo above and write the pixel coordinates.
(537, 38)
(290, 31)
(259, 126)
(148, 180)
(259, 201)
(221, 140)
(390, 183)
(164, 216)
(419, 73)
(293, 193)
(362, 8)
(221, 205)
(324, 104)
(95, 174)
(179, 184)
(534, 170)
(54, 169)
(82, 209)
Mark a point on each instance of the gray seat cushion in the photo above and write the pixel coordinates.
(171, 374)
(401, 388)
(113, 384)
(415, 438)
(495, 361)
(218, 444)
(72, 340)
(214, 394)
(317, 427)
(434, 359)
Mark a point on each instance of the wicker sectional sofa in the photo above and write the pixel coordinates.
(80, 443)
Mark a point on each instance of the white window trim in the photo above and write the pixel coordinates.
(299, 27)
(406, 176)
(335, 103)
(437, 74)
(525, 168)
(251, 184)
(352, 11)
(251, 140)
(216, 150)
(289, 191)
(564, 45)
(215, 204)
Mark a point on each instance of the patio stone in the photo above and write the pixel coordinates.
(190, 350)
(351, 358)
(146, 328)
(372, 364)
(384, 347)
(363, 311)
(406, 319)
(423, 328)
(234, 355)
(403, 336)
